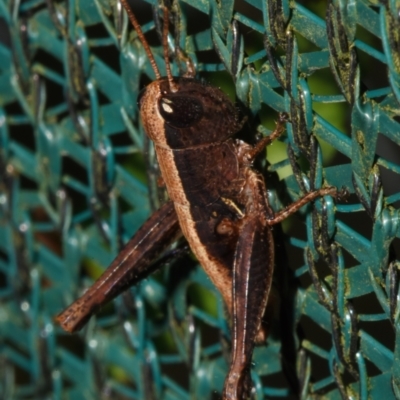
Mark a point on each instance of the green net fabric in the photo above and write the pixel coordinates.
(78, 178)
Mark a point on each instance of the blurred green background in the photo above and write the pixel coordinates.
(78, 177)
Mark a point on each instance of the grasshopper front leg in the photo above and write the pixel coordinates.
(133, 263)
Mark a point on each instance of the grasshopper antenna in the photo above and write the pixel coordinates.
(146, 46)
(171, 83)
(142, 39)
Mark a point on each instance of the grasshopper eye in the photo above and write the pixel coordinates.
(180, 111)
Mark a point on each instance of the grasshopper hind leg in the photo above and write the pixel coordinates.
(133, 263)
(252, 278)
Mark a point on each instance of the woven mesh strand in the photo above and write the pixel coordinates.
(78, 178)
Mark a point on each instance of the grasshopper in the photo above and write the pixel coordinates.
(218, 202)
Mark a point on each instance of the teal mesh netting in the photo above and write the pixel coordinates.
(78, 177)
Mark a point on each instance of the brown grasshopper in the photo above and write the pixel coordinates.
(218, 202)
